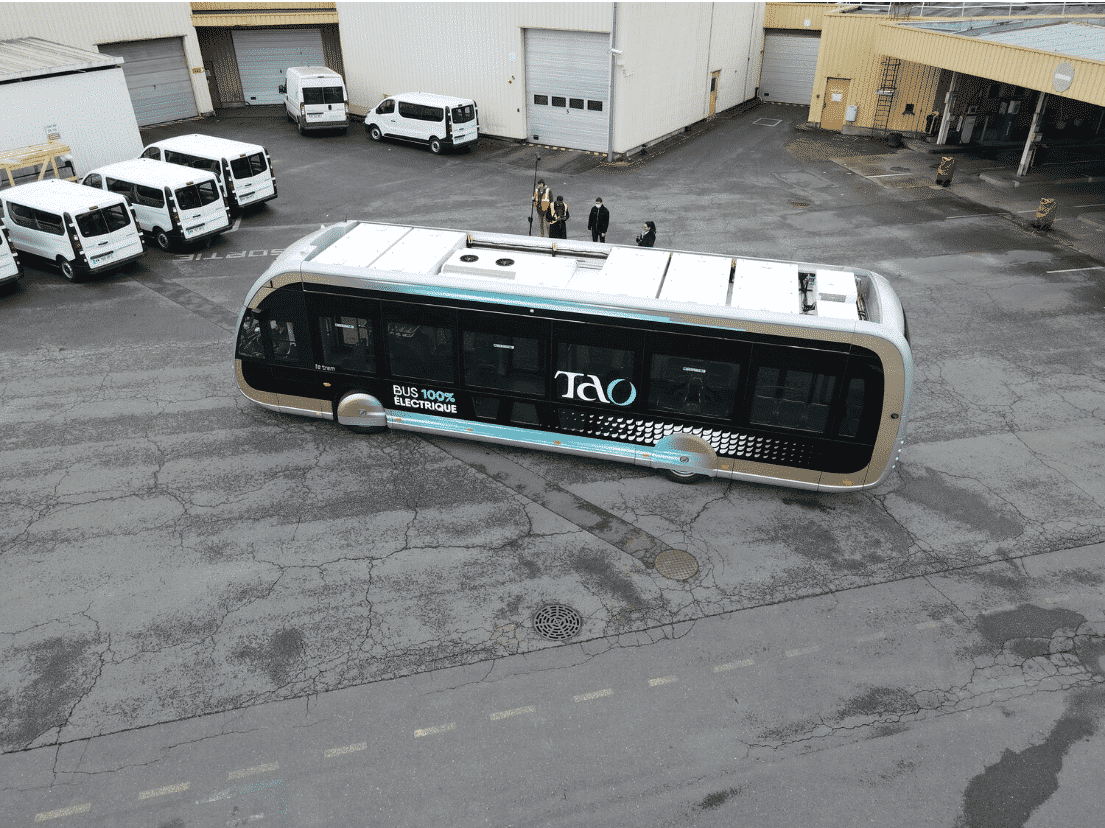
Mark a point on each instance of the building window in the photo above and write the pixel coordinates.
(542, 100)
(594, 106)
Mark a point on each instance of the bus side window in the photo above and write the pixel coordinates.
(420, 351)
(791, 398)
(347, 342)
(503, 362)
(699, 387)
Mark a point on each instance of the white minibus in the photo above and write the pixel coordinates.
(434, 120)
(83, 232)
(244, 170)
(10, 269)
(174, 205)
(315, 98)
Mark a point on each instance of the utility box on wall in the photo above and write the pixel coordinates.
(851, 113)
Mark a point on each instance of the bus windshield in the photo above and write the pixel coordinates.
(191, 196)
(103, 220)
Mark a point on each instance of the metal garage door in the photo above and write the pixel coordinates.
(264, 56)
(788, 68)
(567, 88)
(158, 79)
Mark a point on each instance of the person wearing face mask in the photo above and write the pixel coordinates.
(598, 221)
(648, 235)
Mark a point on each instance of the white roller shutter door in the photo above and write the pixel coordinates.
(158, 79)
(788, 67)
(567, 88)
(264, 56)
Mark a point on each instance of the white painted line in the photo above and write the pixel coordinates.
(239, 774)
(64, 812)
(803, 651)
(889, 175)
(234, 227)
(872, 637)
(733, 665)
(765, 122)
(598, 694)
(168, 789)
(518, 711)
(1056, 598)
(342, 751)
(928, 625)
(1078, 269)
(656, 682)
(430, 731)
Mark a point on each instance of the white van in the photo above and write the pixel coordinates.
(83, 232)
(434, 120)
(10, 269)
(315, 98)
(243, 170)
(173, 204)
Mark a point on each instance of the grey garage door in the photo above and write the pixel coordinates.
(788, 68)
(567, 88)
(158, 79)
(264, 56)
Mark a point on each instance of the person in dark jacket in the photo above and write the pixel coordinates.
(648, 237)
(558, 219)
(598, 221)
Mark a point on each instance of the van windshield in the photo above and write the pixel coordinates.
(323, 95)
(463, 114)
(103, 220)
(249, 166)
(192, 196)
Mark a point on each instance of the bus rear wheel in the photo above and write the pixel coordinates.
(684, 477)
(67, 269)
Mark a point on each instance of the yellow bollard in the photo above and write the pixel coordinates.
(945, 171)
(1046, 213)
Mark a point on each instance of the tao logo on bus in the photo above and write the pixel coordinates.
(588, 388)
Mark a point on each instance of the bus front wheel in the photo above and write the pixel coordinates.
(684, 477)
(360, 412)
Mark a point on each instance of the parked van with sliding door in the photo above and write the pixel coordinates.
(244, 170)
(315, 98)
(174, 204)
(10, 269)
(83, 232)
(434, 120)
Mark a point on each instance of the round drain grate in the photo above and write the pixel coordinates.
(557, 622)
(468, 257)
(676, 564)
(504, 262)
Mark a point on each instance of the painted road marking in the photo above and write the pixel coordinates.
(928, 625)
(889, 175)
(518, 711)
(168, 789)
(429, 731)
(1056, 598)
(241, 254)
(656, 682)
(598, 694)
(237, 224)
(1078, 269)
(239, 774)
(342, 751)
(872, 637)
(64, 812)
(803, 651)
(733, 665)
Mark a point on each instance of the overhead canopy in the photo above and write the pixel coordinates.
(26, 58)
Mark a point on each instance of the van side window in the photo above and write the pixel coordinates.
(23, 216)
(386, 108)
(94, 180)
(149, 196)
(120, 187)
(152, 152)
(50, 222)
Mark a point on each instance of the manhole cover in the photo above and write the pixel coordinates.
(558, 622)
(676, 564)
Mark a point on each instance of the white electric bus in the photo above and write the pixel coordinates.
(697, 365)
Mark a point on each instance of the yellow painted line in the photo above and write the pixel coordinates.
(656, 682)
(803, 651)
(238, 774)
(598, 694)
(430, 731)
(733, 665)
(928, 625)
(342, 751)
(1056, 598)
(872, 637)
(64, 812)
(518, 711)
(168, 789)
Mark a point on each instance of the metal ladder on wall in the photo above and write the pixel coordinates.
(888, 89)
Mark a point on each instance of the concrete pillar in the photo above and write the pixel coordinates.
(949, 102)
(1026, 155)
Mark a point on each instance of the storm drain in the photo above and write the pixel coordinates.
(557, 622)
(676, 564)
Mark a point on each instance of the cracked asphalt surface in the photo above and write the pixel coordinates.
(183, 567)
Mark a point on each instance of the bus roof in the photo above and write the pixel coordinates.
(56, 196)
(151, 171)
(641, 273)
(208, 145)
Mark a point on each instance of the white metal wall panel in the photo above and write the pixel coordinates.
(90, 111)
(788, 67)
(264, 56)
(571, 71)
(158, 79)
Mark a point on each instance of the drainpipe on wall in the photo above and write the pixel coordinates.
(613, 65)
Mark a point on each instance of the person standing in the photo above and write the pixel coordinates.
(542, 198)
(648, 235)
(558, 219)
(598, 221)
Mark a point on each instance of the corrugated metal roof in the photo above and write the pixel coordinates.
(1081, 40)
(32, 57)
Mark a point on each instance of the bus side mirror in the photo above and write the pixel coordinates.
(282, 89)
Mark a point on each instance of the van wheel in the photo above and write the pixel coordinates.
(162, 238)
(435, 146)
(684, 477)
(67, 269)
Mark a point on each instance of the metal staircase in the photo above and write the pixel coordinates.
(888, 89)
